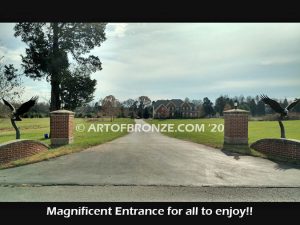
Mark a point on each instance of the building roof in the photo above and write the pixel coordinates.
(177, 102)
(159, 102)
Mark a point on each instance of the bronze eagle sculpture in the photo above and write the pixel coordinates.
(278, 109)
(17, 113)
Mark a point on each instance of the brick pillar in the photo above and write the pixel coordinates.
(61, 127)
(236, 127)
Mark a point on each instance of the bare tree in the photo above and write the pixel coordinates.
(10, 82)
(10, 85)
(110, 106)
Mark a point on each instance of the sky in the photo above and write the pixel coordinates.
(178, 60)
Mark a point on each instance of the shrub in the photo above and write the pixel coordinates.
(89, 115)
(78, 115)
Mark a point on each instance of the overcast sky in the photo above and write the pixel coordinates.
(178, 60)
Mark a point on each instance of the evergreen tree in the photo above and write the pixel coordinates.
(220, 105)
(208, 107)
(285, 103)
(76, 90)
(261, 108)
(252, 106)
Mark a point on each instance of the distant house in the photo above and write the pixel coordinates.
(174, 108)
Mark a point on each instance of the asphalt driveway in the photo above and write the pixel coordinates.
(150, 158)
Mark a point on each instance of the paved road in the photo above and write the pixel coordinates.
(143, 159)
(147, 193)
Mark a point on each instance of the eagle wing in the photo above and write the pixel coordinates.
(26, 106)
(12, 108)
(295, 102)
(272, 103)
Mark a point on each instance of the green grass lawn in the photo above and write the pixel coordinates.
(257, 130)
(36, 128)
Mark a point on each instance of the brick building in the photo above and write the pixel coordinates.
(174, 108)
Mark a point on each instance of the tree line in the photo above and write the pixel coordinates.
(254, 105)
(141, 107)
(111, 107)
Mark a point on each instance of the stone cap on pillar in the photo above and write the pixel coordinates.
(62, 111)
(236, 111)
